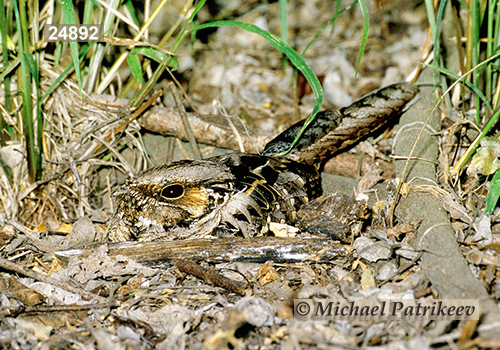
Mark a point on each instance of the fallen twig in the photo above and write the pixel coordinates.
(13, 311)
(8, 265)
(212, 277)
(258, 249)
(208, 129)
(137, 113)
(185, 122)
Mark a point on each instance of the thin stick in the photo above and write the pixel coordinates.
(185, 122)
(212, 277)
(134, 116)
(13, 311)
(170, 149)
(9, 265)
(184, 93)
(257, 249)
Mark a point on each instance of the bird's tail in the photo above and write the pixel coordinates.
(334, 130)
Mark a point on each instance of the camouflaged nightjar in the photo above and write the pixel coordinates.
(218, 196)
(240, 193)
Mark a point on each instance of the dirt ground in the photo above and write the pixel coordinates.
(60, 288)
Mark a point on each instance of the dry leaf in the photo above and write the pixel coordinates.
(283, 230)
(7, 232)
(24, 294)
(41, 332)
(370, 250)
(482, 235)
(368, 180)
(64, 228)
(396, 231)
(266, 274)
(485, 160)
(367, 280)
(456, 210)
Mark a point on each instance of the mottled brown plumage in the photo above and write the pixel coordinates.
(217, 196)
(241, 193)
(334, 130)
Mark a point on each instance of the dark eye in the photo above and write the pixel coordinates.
(172, 191)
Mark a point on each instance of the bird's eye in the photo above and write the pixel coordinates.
(172, 191)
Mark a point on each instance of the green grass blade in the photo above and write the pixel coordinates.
(26, 86)
(131, 9)
(472, 148)
(156, 55)
(332, 22)
(141, 94)
(439, 19)
(11, 67)
(5, 57)
(296, 59)
(32, 67)
(69, 18)
(476, 13)
(88, 12)
(65, 72)
(437, 42)
(366, 27)
(429, 6)
(153, 54)
(495, 44)
(467, 82)
(493, 193)
(135, 67)
(489, 46)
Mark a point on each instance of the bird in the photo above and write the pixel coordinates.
(242, 193)
(219, 195)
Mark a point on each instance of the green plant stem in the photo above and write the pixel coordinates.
(36, 76)
(366, 27)
(5, 56)
(495, 44)
(98, 55)
(489, 47)
(139, 97)
(145, 64)
(468, 153)
(475, 76)
(88, 11)
(27, 109)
